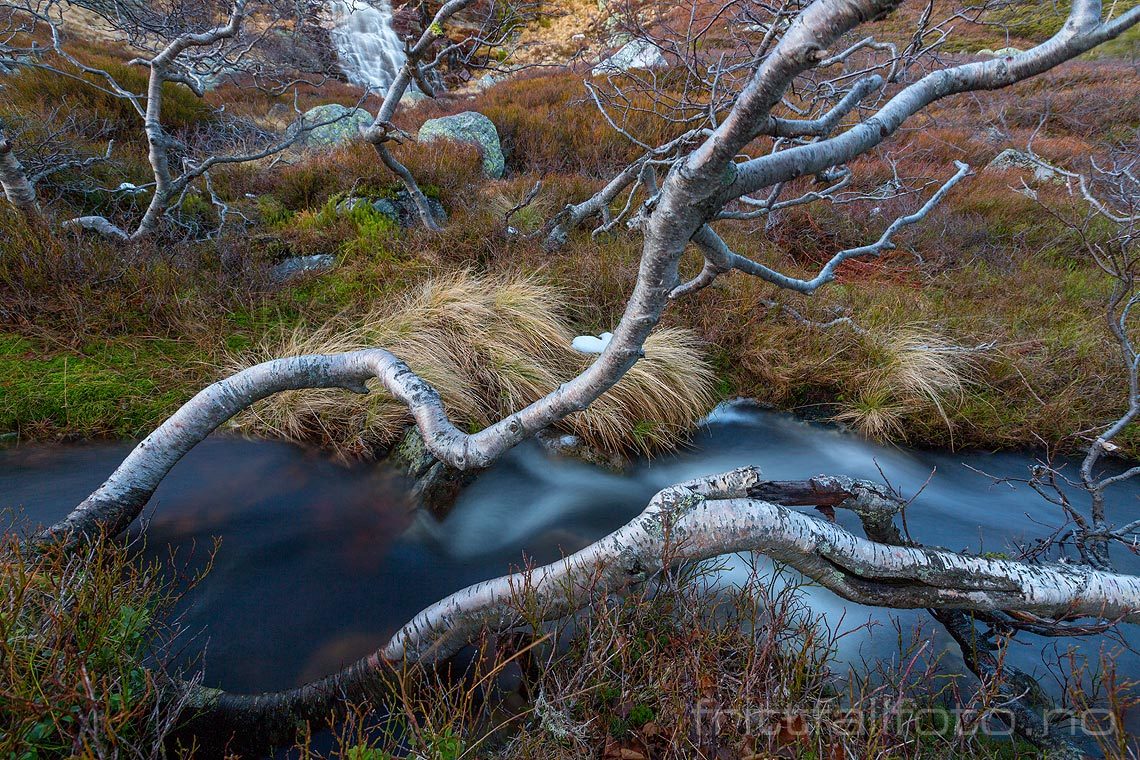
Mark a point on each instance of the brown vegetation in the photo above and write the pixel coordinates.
(490, 346)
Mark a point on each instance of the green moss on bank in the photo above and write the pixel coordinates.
(111, 387)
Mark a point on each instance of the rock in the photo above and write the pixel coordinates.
(469, 127)
(412, 97)
(344, 124)
(1016, 159)
(570, 446)
(380, 206)
(400, 209)
(387, 208)
(409, 215)
(1005, 52)
(437, 485)
(485, 82)
(635, 54)
(297, 266)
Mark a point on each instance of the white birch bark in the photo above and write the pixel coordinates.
(698, 520)
(14, 180)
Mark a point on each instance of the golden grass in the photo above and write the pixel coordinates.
(911, 367)
(490, 345)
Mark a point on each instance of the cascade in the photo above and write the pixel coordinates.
(369, 50)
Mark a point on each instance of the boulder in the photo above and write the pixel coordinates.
(401, 209)
(380, 205)
(296, 266)
(635, 54)
(469, 127)
(435, 485)
(338, 124)
(1016, 159)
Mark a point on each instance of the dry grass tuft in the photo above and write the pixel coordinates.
(910, 368)
(490, 345)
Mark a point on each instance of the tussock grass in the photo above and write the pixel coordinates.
(490, 345)
(909, 368)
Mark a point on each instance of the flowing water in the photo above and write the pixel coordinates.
(369, 50)
(319, 564)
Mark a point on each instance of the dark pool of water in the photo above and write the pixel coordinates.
(319, 564)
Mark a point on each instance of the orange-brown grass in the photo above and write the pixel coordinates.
(490, 346)
(988, 265)
(548, 124)
(78, 630)
(910, 366)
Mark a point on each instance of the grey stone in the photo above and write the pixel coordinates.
(412, 97)
(635, 54)
(469, 127)
(401, 209)
(380, 206)
(387, 208)
(345, 125)
(1016, 159)
(570, 446)
(296, 266)
(436, 485)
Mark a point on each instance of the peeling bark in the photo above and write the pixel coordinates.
(698, 520)
(14, 181)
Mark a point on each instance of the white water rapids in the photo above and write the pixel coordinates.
(369, 50)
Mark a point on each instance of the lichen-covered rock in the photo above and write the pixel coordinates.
(469, 127)
(436, 486)
(296, 266)
(400, 208)
(635, 54)
(1016, 159)
(338, 124)
(381, 206)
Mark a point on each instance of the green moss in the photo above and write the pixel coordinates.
(109, 387)
(1037, 21)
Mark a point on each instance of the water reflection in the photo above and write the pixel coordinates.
(319, 563)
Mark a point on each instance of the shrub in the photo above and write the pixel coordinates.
(490, 346)
(75, 632)
(39, 91)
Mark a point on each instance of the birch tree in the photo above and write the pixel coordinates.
(425, 55)
(184, 43)
(18, 189)
(711, 174)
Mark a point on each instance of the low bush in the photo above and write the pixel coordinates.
(79, 634)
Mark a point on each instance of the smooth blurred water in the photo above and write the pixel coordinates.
(319, 564)
(368, 48)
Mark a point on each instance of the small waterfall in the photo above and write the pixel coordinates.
(369, 49)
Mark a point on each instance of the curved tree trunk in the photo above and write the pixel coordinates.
(701, 519)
